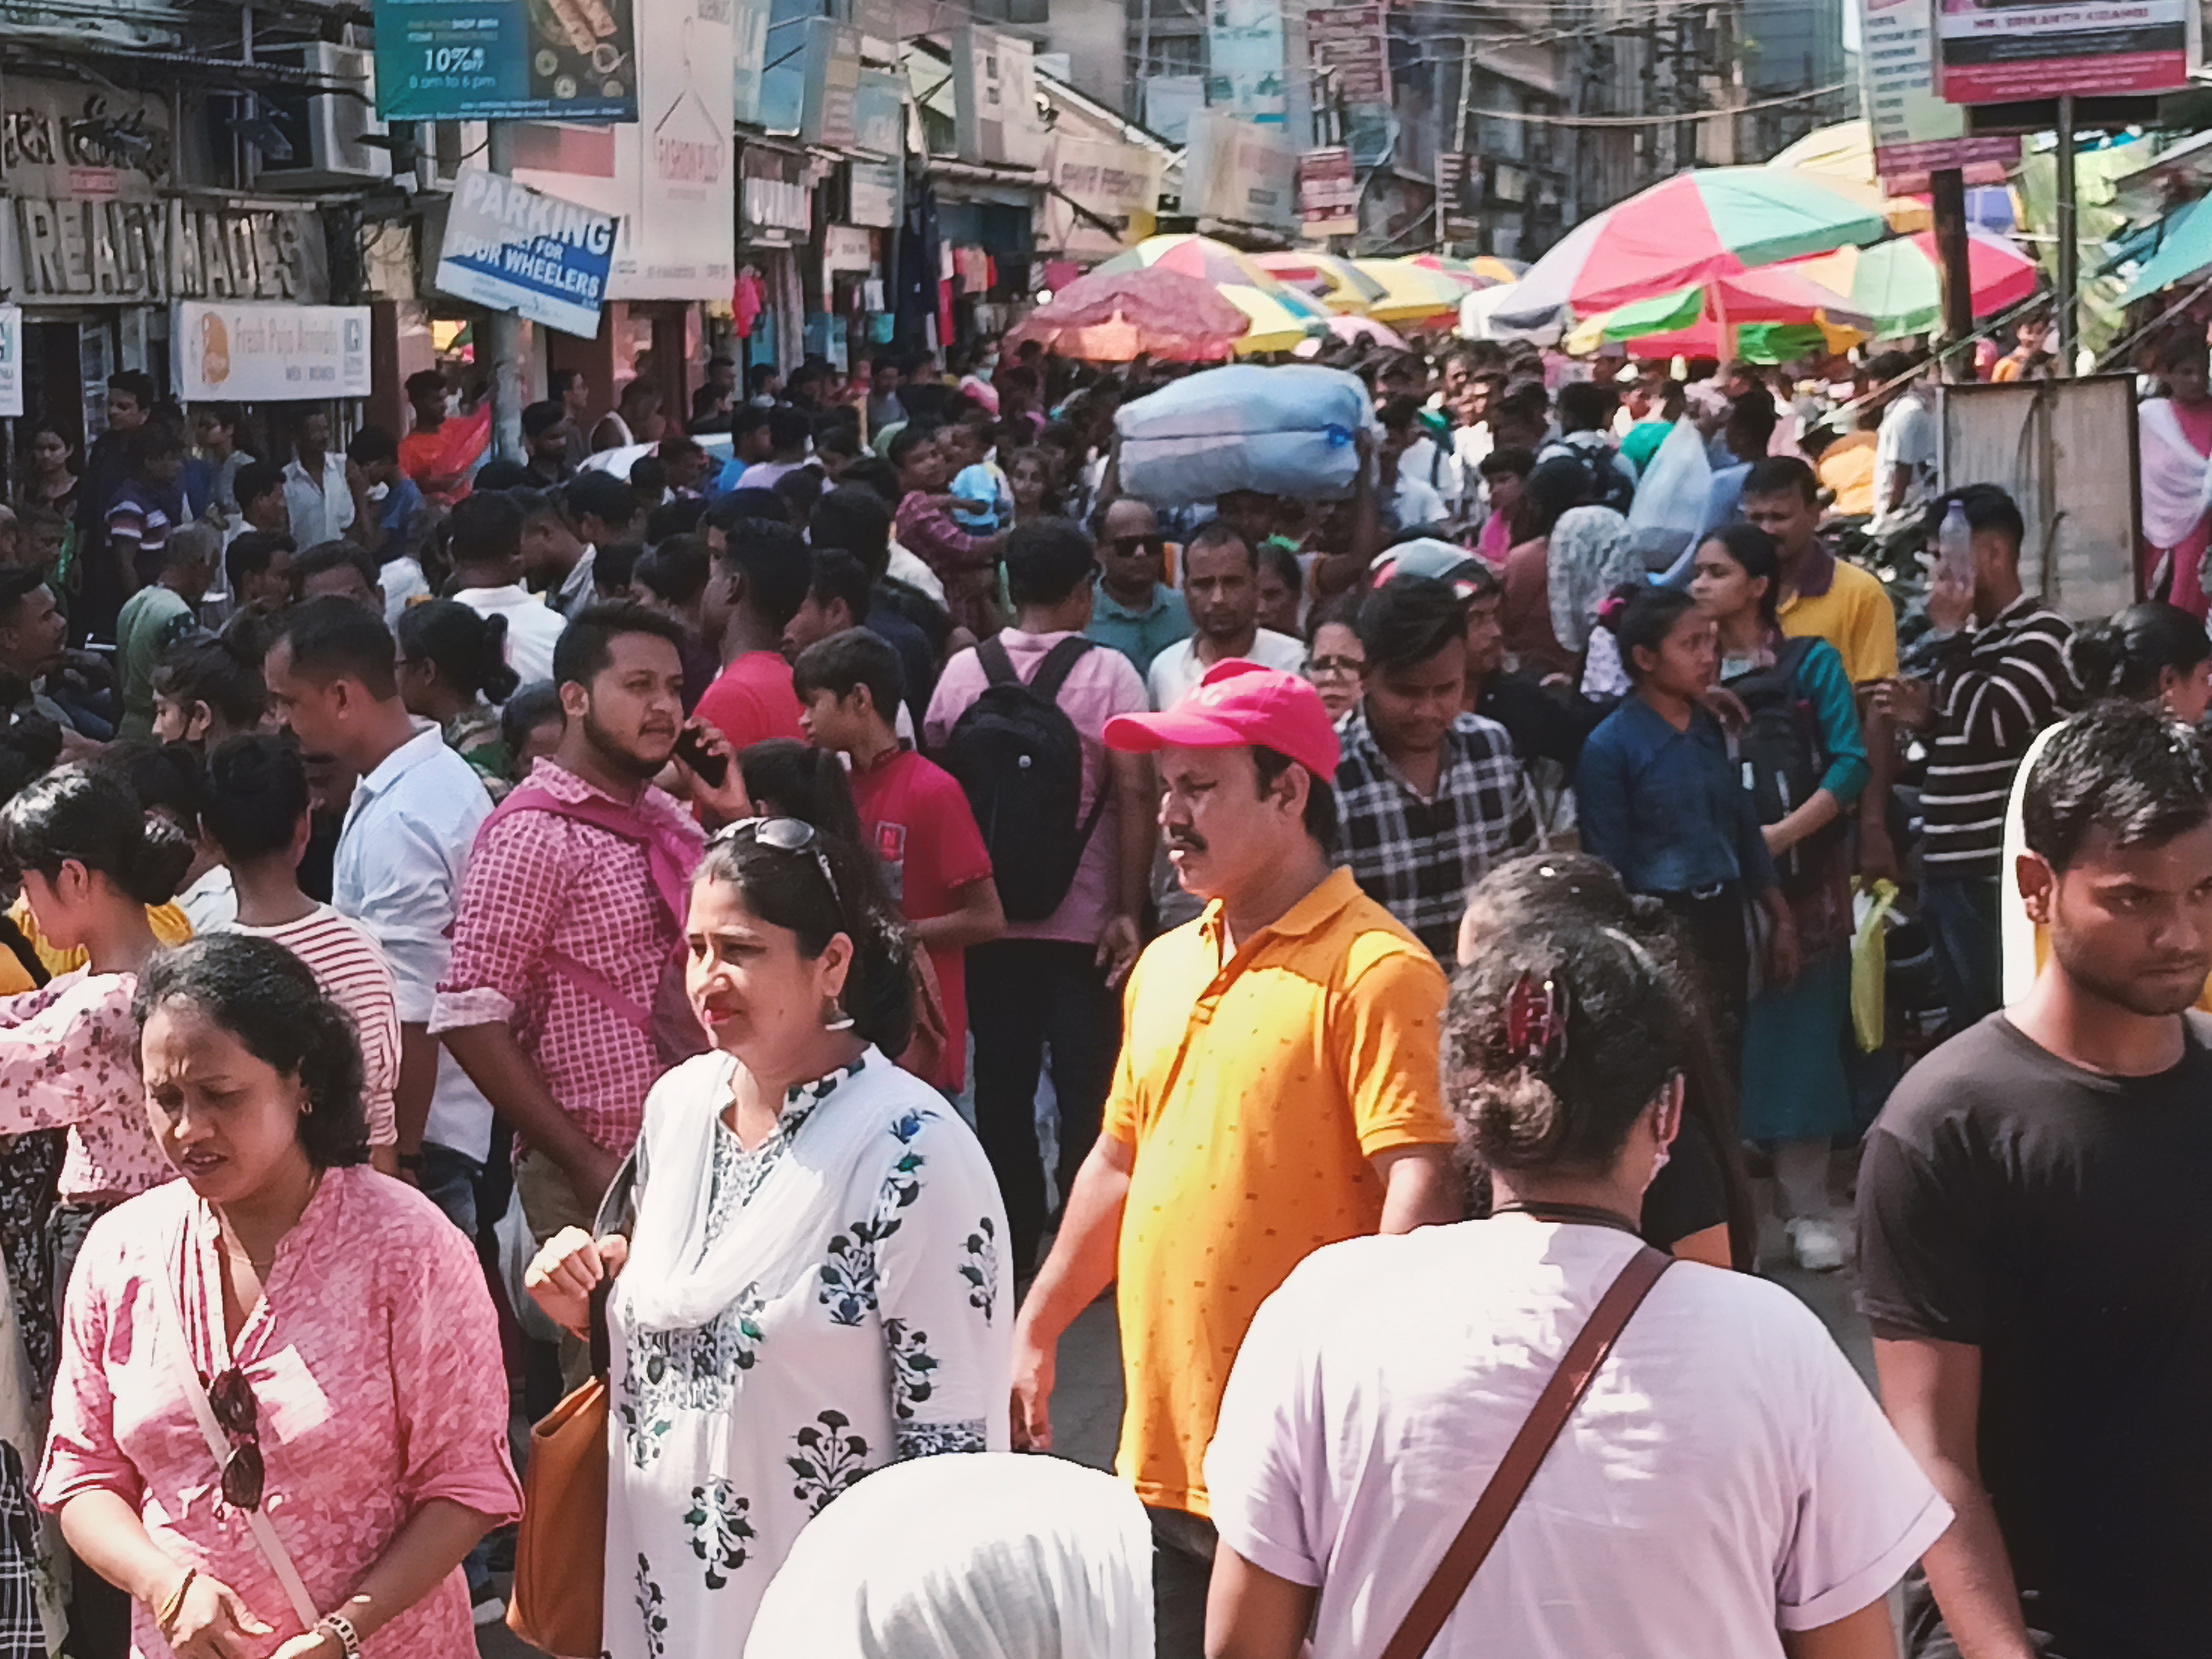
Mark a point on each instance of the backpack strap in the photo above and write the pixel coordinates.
(998, 663)
(1059, 662)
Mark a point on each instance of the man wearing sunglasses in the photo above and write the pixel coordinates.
(1137, 613)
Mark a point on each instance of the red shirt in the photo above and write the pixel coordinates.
(751, 700)
(918, 821)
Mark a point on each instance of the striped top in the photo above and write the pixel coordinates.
(1996, 687)
(352, 974)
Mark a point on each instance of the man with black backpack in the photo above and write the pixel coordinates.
(1020, 720)
(1586, 411)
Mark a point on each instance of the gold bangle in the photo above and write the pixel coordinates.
(175, 1604)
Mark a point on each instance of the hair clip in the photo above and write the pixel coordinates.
(1609, 609)
(1536, 1022)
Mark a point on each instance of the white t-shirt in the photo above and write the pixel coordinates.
(1727, 1475)
(1177, 669)
(1906, 437)
(533, 627)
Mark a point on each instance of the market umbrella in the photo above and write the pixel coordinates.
(1412, 293)
(1339, 284)
(1278, 321)
(1366, 328)
(1708, 318)
(1711, 222)
(1280, 315)
(1112, 317)
(1899, 284)
(2185, 250)
(1484, 270)
(1841, 156)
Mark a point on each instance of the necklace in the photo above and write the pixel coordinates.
(1587, 1215)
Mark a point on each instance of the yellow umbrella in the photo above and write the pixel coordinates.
(1338, 284)
(1842, 158)
(1275, 327)
(1410, 293)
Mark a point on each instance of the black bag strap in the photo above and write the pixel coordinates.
(1059, 663)
(998, 662)
(19, 948)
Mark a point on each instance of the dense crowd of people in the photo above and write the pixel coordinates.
(777, 938)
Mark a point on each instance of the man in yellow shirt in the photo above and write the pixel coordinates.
(1278, 1090)
(1822, 596)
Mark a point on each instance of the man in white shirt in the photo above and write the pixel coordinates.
(602, 511)
(1221, 586)
(1904, 447)
(486, 549)
(316, 489)
(332, 682)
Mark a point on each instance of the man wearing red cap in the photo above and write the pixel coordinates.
(1278, 1090)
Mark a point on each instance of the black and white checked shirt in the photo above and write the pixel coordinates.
(1417, 857)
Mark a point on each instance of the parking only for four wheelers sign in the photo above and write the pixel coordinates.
(516, 249)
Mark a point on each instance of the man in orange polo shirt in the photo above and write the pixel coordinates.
(1278, 1090)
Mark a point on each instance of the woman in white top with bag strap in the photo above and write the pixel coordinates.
(1712, 1480)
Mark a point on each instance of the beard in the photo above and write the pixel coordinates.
(2129, 986)
(625, 755)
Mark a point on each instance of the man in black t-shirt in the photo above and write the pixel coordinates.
(2035, 1233)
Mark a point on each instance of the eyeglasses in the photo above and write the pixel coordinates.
(1353, 667)
(1129, 546)
(785, 836)
(244, 1474)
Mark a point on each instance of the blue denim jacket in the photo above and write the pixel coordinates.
(1668, 809)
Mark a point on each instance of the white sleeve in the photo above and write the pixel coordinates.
(1268, 1438)
(1865, 1511)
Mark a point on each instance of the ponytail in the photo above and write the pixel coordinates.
(465, 649)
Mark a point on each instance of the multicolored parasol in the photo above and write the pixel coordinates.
(1708, 318)
(1113, 316)
(1898, 285)
(1412, 293)
(1280, 316)
(1339, 285)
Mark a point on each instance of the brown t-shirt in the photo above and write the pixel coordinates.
(1525, 614)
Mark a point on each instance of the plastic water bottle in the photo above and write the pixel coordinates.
(1954, 548)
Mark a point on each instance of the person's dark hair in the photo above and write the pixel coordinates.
(757, 375)
(255, 479)
(674, 571)
(799, 489)
(223, 672)
(30, 744)
(853, 658)
(1046, 560)
(1641, 617)
(2120, 767)
(2178, 347)
(484, 528)
(1886, 366)
(165, 777)
(1398, 413)
(1553, 487)
(839, 575)
(1568, 1109)
(786, 778)
(326, 556)
(874, 473)
(586, 645)
(855, 518)
(788, 891)
(600, 495)
(788, 428)
(18, 583)
(1782, 475)
(153, 441)
(540, 418)
(747, 418)
(640, 396)
(1752, 418)
(251, 555)
(558, 381)
(370, 445)
(425, 380)
(333, 638)
(254, 797)
(772, 561)
(536, 704)
(88, 814)
(1753, 549)
(1219, 532)
(677, 446)
(134, 383)
(1509, 461)
(466, 650)
(507, 476)
(1284, 562)
(648, 476)
(1320, 820)
(612, 567)
(1587, 405)
(268, 998)
(672, 519)
(1987, 507)
(2124, 656)
(1342, 611)
(836, 437)
(1407, 620)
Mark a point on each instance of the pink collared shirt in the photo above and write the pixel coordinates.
(69, 1058)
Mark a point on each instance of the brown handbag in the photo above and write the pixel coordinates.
(1577, 1369)
(559, 1602)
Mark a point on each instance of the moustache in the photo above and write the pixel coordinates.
(1185, 841)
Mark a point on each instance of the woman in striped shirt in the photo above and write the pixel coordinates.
(255, 807)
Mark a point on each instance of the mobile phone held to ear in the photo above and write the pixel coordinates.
(691, 749)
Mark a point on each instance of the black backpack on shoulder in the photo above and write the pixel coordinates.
(1781, 752)
(1019, 759)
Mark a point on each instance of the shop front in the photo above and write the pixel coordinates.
(776, 223)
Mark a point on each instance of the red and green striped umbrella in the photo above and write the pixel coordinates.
(1710, 222)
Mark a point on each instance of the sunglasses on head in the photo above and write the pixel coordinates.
(785, 836)
(244, 1474)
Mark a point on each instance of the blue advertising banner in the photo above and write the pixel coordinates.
(470, 60)
(512, 248)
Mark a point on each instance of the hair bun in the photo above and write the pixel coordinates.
(158, 864)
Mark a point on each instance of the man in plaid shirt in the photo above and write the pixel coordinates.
(1429, 798)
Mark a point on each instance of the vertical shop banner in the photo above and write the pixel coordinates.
(1328, 193)
(1239, 171)
(879, 112)
(11, 360)
(269, 353)
(2012, 53)
(512, 248)
(467, 60)
(833, 84)
(681, 242)
(1916, 131)
(1348, 46)
(749, 54)
(1245, 60)
(994, 98)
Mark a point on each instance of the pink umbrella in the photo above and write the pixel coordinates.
(1366, 328)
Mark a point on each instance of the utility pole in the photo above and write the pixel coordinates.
(502, 335)
(1948, 192)
(2069, 283)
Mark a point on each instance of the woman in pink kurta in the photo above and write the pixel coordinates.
(355, 1314)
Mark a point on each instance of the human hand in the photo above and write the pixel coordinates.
(214, 1622)
(1782, 953)
(356, 480)
(725, 802)
(1034, 1363)
(564, 1275)
(1118, 944)
(1950, 602)
(1908, 703)
(1777, 842)
(1725, 706)
(590, 1174)
(1878, 858)
(315, 1644)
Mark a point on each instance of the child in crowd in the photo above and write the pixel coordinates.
(916, 817)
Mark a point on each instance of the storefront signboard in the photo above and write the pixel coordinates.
(269, 353)
(474, 60)
(516, 249)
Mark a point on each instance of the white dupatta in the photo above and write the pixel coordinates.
(677, 1278)
(2177, 480)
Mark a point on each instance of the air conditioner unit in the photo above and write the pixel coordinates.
(324, 128)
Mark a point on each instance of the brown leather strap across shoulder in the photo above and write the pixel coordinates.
(1577, 1368)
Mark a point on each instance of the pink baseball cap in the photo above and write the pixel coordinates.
(1238, 705)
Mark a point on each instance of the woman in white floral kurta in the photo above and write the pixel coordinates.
(814, 1286)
